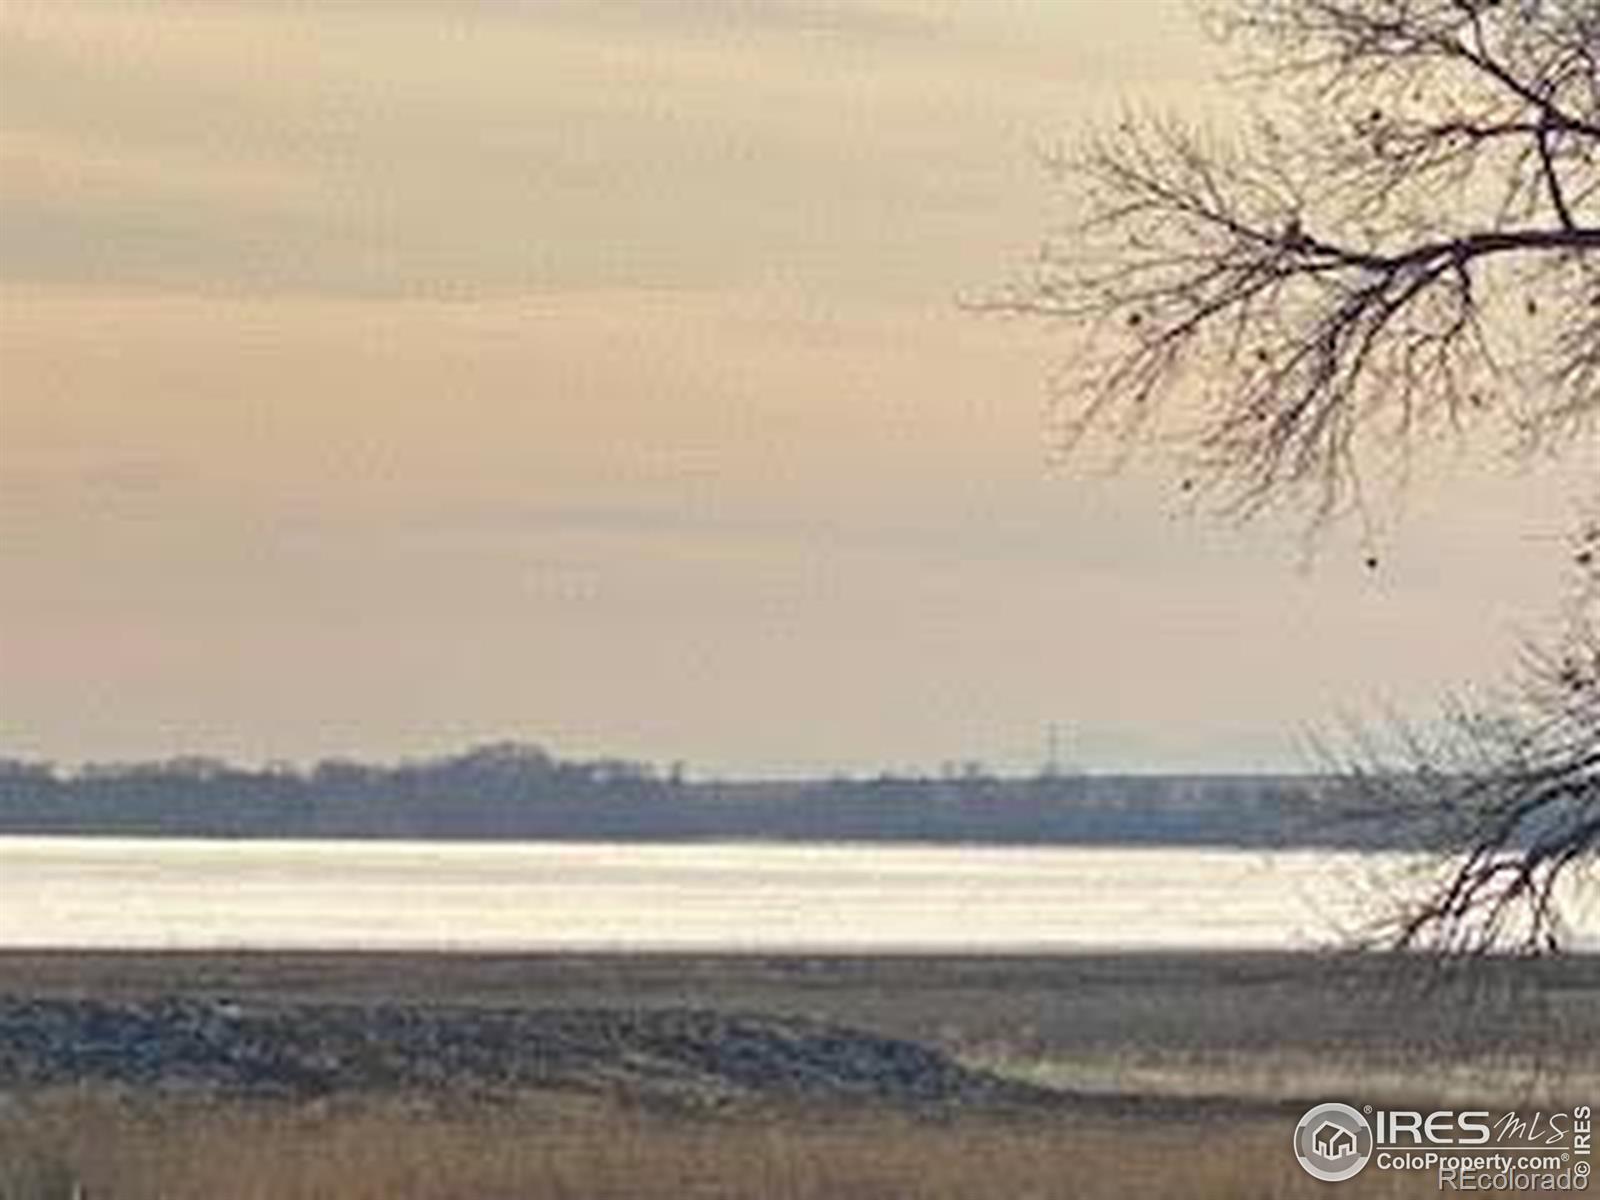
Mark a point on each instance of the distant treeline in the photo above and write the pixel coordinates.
(520, 791)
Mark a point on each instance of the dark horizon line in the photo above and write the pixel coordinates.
(955, 770)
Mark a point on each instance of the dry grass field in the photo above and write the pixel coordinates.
(1259, 1025)
(388, 1150)
(1180, 1077)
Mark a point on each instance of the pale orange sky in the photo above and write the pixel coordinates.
(378, 377)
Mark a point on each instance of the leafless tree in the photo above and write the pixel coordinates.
(1398, 246)
(1505, 793)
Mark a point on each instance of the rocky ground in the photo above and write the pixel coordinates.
(1118, 1034)
(688, 1055)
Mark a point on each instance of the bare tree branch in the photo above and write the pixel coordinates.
(1398, 260)
(1402, 247)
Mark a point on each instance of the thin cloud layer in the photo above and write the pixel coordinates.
(379, 376)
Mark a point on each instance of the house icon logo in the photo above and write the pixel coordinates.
(1333, 1142)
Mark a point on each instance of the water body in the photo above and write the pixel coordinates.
(151, 894)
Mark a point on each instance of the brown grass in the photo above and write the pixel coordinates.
(582, 1150)
(1248, 1025)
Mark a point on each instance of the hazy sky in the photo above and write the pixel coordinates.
(381, 376)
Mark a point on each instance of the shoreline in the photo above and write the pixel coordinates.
(1255, 1026)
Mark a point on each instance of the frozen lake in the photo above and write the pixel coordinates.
(105, 893)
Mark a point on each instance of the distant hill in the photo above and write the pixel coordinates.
(515, 791)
